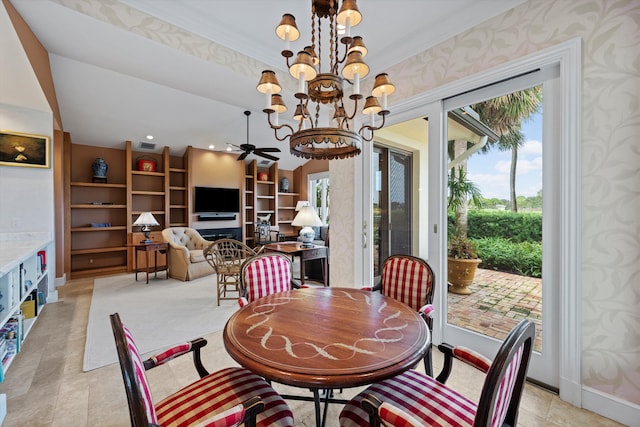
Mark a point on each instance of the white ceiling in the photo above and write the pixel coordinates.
(113, 84)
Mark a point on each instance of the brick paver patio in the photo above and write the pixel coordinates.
(498, 301)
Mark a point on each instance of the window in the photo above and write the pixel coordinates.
(318, 194)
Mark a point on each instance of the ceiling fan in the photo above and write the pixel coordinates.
(252, 149)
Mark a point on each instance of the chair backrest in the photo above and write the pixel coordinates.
(407, 279)
(228, 254)
(183, 236)
(503, 385)
(141, 409)
(265, 274)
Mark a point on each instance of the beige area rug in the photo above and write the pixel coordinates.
(159, 315)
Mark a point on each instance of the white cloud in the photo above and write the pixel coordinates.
(531, 147)
(527, 166)
(492, 185)
(490, 172)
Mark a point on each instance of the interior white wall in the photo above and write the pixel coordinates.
(26, 193)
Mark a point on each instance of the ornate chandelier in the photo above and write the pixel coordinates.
(319, 81)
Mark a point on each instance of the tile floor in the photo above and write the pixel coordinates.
(45, 385)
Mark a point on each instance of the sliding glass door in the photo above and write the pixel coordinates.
(392, 204)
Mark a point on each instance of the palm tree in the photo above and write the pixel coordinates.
(461, 190)
(505, 115)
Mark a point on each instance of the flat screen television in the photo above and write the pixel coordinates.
(215, 199)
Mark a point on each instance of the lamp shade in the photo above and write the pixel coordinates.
(301, 204)
(268, 83)
(303, 64)
(146, 218)
(355, 65)
(287, 29)
(307, 217)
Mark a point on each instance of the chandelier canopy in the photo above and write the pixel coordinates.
(329, 135)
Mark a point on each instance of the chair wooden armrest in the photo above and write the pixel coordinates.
(180, 350)
(463, 354)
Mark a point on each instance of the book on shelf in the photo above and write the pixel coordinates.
(42, 261)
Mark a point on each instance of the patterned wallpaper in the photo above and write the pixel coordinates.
(610, 148)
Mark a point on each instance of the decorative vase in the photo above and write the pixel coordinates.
(99, 168)
(460, 274)
(284, 185)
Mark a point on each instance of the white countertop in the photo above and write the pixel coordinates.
(17, 247)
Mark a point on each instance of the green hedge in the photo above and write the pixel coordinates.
(524, 258)
(515, 226)
(506, 241)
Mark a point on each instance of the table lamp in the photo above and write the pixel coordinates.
(307, 218)
(146, 220)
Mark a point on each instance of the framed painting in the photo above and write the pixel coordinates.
(24, 149)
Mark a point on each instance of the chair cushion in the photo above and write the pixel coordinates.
(267, 275)
(196, 255)
(407, 281)
(219, 392)
(438, 404)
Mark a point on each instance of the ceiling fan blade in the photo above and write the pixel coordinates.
(243, 155)
(268, 150)
(266, 156)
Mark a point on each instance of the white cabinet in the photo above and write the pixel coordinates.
(24, 282)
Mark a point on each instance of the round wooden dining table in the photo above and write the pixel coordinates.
(326, 338)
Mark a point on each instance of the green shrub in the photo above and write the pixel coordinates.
(524, 258)
(515, 226)
(506, 241)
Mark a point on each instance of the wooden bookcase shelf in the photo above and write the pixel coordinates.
(100, 215)
(265, 197)
(98, 250)
(97, 229)
(92, 206)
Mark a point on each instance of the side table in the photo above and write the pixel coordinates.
(305, 254)
(148, 248)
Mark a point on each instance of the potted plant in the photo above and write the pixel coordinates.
(461, 252)
(462, 263)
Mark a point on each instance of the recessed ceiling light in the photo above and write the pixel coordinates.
(149, 136)
(211, 147)
(229, 149)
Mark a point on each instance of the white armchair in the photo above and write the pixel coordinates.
(186, 260)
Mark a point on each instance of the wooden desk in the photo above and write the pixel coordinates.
(326, 338)
(305, 254)
(150, 248)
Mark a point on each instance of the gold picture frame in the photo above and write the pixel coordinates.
(24, 149)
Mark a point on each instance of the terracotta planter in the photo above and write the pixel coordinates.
(460, 274)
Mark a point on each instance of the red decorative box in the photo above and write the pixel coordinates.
(146, 165)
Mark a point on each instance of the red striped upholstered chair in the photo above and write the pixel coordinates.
(228, 397)
(413, 399)
(265, 274)
(410, 280)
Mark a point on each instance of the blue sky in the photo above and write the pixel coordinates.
(490, 171)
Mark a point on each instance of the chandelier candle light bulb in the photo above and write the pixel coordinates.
(331, 132)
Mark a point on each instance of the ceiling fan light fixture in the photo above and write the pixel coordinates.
(248, 148)
(322, 76)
